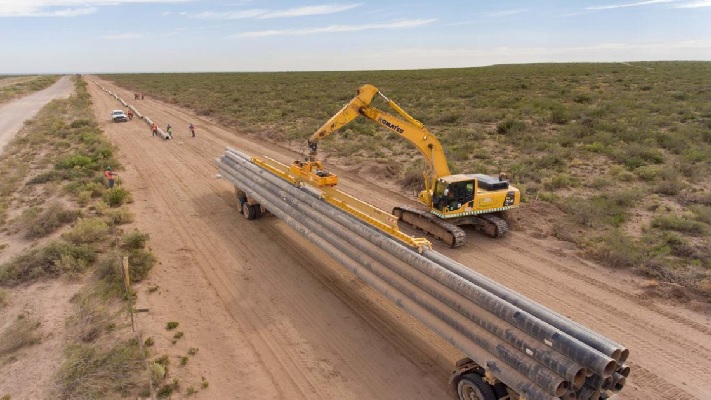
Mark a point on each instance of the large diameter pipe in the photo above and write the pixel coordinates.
(553, 337)
(618, 382)
(357, 247)
(582, 333)
(522, 342)
(506, 374)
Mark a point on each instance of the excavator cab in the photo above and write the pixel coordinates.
(453, 195)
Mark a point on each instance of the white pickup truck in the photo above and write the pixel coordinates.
(118, 116)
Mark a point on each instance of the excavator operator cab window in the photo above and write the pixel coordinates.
(460, 193)
(441, 192)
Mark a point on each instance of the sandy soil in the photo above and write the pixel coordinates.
(273, 317)
(29, 372)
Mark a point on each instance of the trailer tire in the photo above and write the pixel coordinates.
(248, 211)
(472, 387)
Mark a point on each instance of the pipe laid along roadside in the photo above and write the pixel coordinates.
(536, 352)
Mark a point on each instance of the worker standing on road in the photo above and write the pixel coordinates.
(110, 177)
(154, 128)
(130, 114)
(192, 129)
(169, 131)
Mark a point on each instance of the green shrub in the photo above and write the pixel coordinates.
(117, 216)
(44, 177)
(134, 240)
(560, 115)
(79, 123)
(140, 263)
(616, 250)
(681, 224)
(87, 230)
(76, 161)
(52, 260)
(171, 325)
(702, 213)
(510, 126)
(669, 188)
(116, 197)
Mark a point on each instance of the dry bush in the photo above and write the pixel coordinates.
(117, 216)
(615, 250)
(91, 372)
(49, 221)
(52, 260)
(21, 333)
(91, 317)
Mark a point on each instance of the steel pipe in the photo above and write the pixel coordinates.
(362, 249)
(547, 333)
(514, 379)
(581, 333)
(526, 344)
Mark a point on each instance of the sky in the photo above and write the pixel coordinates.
(100, 36)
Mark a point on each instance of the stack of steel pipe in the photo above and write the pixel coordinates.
(534, 351)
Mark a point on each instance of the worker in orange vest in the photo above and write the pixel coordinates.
(154, 128)
(109, 176)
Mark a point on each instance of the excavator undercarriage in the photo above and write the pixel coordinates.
(450, 231)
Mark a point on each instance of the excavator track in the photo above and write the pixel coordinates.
(494, 226)
(451, 234)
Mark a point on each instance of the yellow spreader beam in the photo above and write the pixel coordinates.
(368, 213)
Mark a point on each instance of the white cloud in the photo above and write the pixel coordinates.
(401, 24)
(244, 14)
(284, 13)
(641, 3)
(696, 4)
(123, 36)
(62, 8)
(309, 10)
(505, 13)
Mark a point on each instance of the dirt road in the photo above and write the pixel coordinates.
(274, 317)
(15, 113)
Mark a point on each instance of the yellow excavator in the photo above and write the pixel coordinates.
(453, 200)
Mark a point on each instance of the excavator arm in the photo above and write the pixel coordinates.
(406, 127)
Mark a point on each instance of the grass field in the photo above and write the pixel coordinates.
(624, 150)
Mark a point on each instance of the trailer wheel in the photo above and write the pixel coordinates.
(472, 387)
(248, 211)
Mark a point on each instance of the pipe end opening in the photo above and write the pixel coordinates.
(609, 368)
